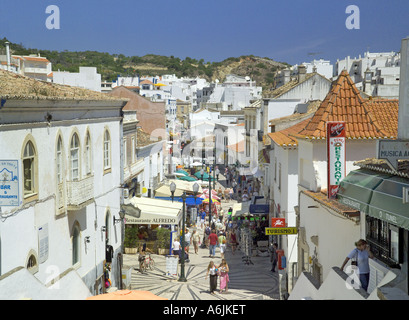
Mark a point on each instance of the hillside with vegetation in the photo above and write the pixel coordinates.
(110, 66)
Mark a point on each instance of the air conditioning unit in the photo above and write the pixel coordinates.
(405, 195)
(126, 193)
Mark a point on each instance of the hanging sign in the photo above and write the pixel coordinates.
(280, 231)
(277, 222)
(9, 188)
(335, 156)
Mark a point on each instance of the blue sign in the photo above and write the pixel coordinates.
(9, 186)
(259, 208)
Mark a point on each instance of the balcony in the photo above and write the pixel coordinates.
(80, 193)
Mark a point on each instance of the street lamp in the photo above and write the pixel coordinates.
(202, 172)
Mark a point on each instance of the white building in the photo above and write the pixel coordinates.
(66, 144)
(86, 78)
(376, 74)
(327, 228)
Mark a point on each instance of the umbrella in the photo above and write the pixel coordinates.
(182, 172)
(186, 178)
(205, 175)
(213, 201)
(127, 295)
(207, 191)
(206, 196)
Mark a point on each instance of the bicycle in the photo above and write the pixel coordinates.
(147, 263)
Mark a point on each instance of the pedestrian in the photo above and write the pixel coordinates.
(223, 269)
(213, 241)
(212, 271)
(176, 247)
(360, 258)
(233, 241)
(196, 240)
(188, 236)
(222, 243)
(202, 219)
(273, 257)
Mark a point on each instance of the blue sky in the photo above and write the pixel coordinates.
(213, 29)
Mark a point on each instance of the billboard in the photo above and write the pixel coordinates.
(335, 156)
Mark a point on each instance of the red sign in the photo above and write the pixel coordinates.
(335, 156)
(277, 222)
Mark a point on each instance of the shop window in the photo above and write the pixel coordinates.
(386, 240)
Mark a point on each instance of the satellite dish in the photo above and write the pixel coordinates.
(247, 78)
(217, 80)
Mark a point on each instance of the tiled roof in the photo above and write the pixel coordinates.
(17, 87)
(381, 165)
(285, 138)
(365, 119)
(237, 147)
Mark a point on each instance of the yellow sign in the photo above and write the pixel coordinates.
(279, 231)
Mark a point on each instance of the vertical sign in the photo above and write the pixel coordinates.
(9, 188)
(43, 243)
(335, 156)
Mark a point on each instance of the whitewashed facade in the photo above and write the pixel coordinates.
(70, 175)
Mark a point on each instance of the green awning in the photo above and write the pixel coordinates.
(376, 194)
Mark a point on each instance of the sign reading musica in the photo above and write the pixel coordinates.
(336, 156)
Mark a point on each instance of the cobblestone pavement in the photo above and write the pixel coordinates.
(253, 281)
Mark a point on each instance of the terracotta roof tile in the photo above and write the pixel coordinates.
(284, 137)
(365, 118)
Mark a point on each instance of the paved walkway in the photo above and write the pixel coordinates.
(247, 281)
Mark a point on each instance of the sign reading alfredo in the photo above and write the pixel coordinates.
(336, 156)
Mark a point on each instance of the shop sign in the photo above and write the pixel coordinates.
(9, 186)
(393, 150)
(336, 156)
(281, 231)
(277, 222)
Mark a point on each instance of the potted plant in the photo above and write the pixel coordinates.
(131, 240)
(163, 240)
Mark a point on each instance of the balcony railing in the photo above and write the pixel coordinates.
(80, 192)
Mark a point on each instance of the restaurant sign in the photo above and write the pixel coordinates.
(336, 156)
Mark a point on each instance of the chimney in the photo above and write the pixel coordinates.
(302, 70)
(287, 75)
(8, 56)
(403, 116)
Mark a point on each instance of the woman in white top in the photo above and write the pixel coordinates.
(212, 270)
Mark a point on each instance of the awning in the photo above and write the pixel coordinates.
(241, 209)
(190, 200)
(164, 190)
(376, 194)
(154, 211)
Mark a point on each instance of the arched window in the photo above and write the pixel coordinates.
(29, 169)
(88, 155)
(107, 150)
(60, 165)
(76, 245)
(75, 157)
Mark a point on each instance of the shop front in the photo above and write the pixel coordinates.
(381, 200)
(142, 229)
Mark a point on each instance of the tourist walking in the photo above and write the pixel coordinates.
(212, 271)
(213, 241)
(233, 241)
(273, 257)
(196, 240)
(223, 269)
(360, 258)
(222, 243)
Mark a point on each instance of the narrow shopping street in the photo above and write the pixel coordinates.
(248, 281)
